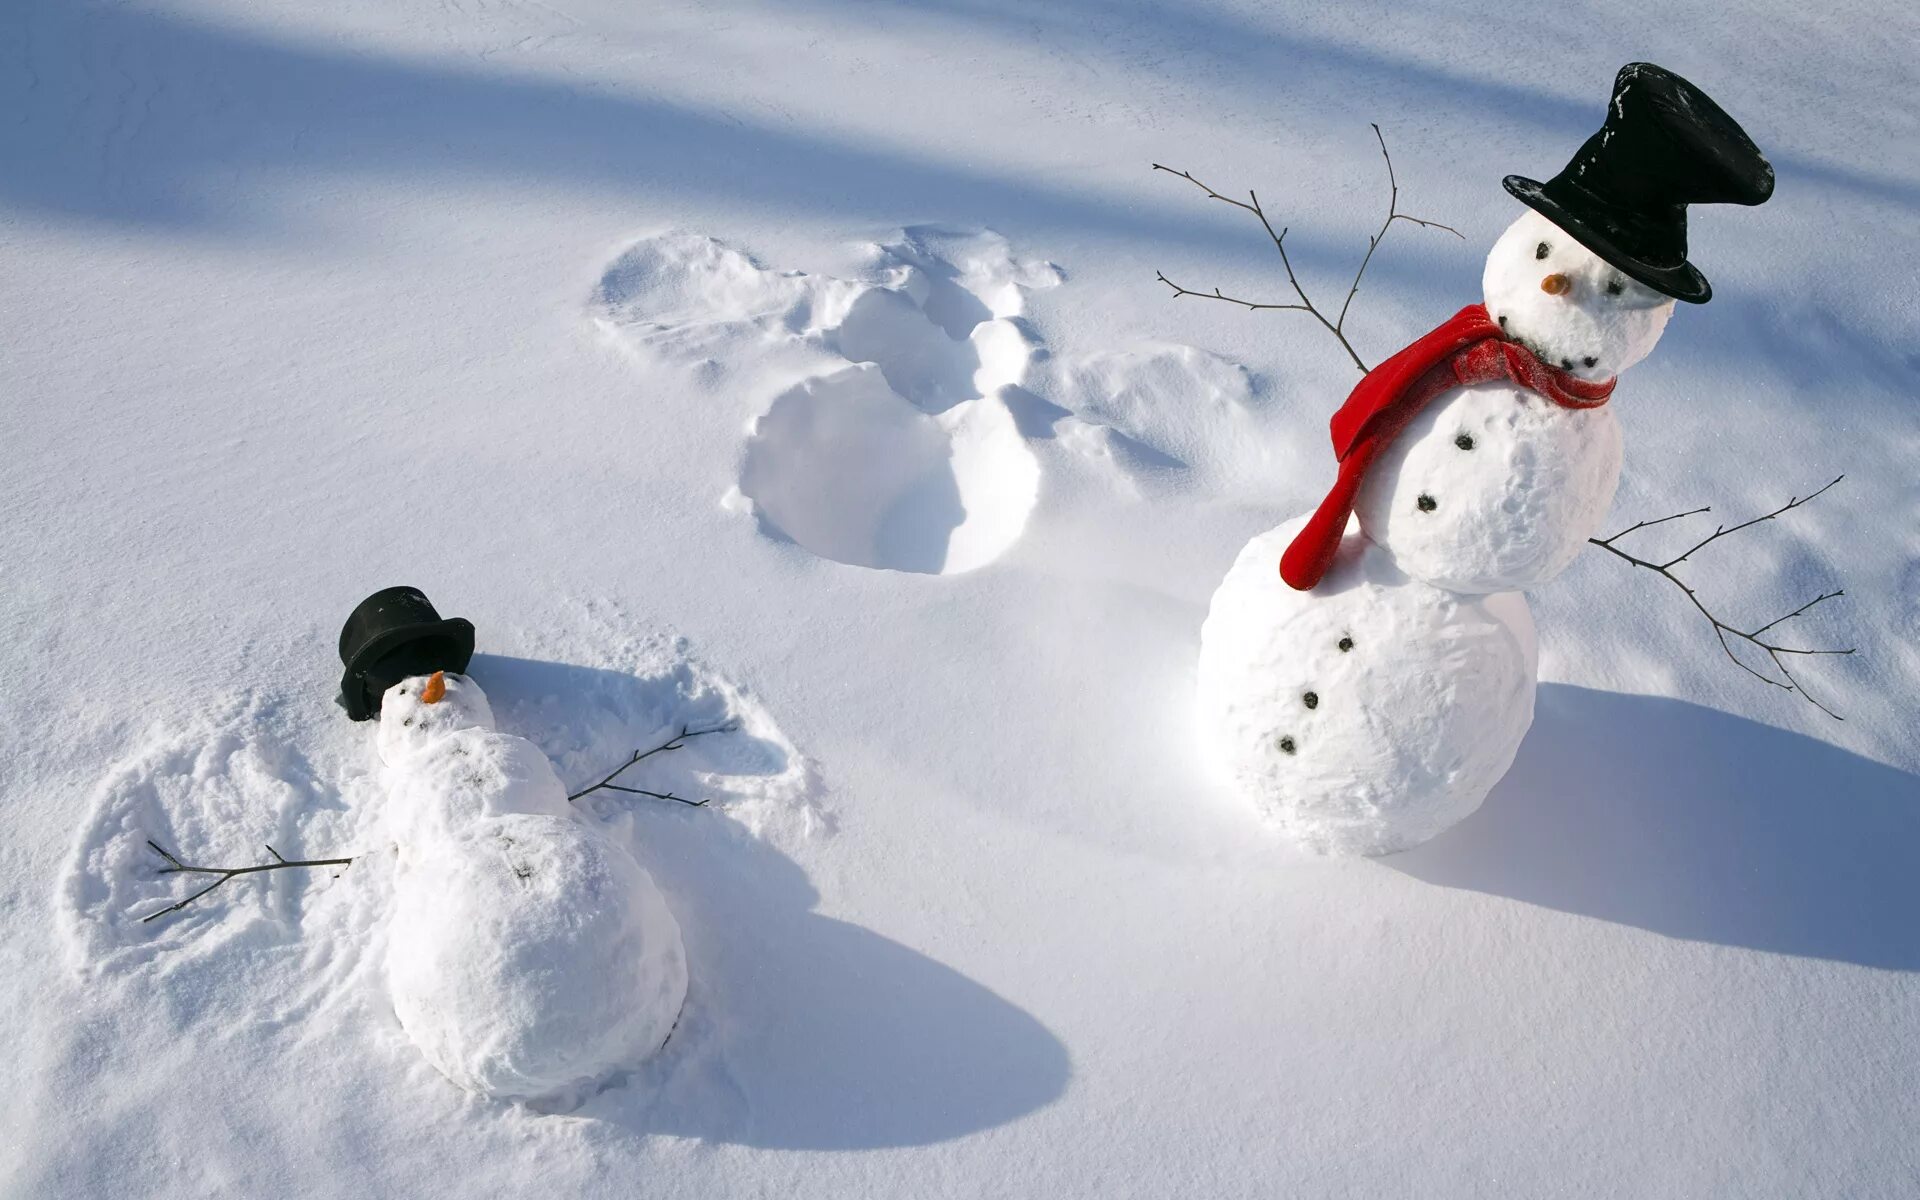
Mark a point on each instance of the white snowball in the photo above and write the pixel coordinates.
(532, 958)
(466, 775)
(1586, 320)
(408, 724)
(1406, 730)
(447, 766)
(1492, 488)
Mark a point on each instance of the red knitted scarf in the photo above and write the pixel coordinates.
(1468, 349)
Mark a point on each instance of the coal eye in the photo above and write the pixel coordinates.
(1615, 287)
(1542, 250)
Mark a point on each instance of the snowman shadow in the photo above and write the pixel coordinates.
(1696, 824)
(800, 1031)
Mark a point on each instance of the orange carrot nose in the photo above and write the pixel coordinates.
(1555, 285)
(436, 689)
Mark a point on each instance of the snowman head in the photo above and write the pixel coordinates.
(424, 708)
(1567, 304)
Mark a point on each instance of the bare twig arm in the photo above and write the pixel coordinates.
(1252, 204)
(1373, 243)
(1215, 294)
(1337, 326)
(176, 867)
(1717, 534)
(1637, 525)
(1722, 630)
(673, 743)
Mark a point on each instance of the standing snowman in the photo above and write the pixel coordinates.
(1370, 693)
(529, 956)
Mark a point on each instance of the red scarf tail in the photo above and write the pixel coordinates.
(1312, 550)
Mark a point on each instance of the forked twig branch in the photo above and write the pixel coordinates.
(673, 743)
(1721, 629)
(1393, 214)
(1338, 325)
(176, 867)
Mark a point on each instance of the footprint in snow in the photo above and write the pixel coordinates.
(910, 444)
(897, 451)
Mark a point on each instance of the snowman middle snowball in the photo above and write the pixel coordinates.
(529, 956)
(1492, 488)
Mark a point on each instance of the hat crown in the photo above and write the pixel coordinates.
(391, 634)
(387, 608)
(1663, 146)
(1666, 143)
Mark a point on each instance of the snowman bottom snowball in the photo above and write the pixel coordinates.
(532, 959)
(1369, 714)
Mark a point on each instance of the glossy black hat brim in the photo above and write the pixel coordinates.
(1684, 282)
(354, 693)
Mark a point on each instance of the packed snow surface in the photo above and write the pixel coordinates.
(1370, 713)
(547, 307)
(530, 957)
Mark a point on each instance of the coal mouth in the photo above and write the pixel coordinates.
(1564, 363)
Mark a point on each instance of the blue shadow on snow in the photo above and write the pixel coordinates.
(1696, 824)
(802, 1032)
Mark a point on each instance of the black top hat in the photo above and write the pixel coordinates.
(1624, 196)
(395, 634)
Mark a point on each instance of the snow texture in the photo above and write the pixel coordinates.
(1369, 714)
(530, 957)
(304, 300)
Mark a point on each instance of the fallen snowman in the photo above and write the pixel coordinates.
(529, 956)
(1371, 692)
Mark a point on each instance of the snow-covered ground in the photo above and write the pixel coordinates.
(803, 365)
